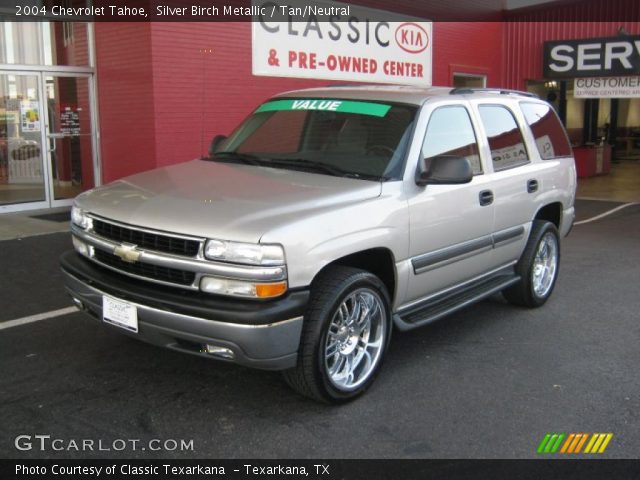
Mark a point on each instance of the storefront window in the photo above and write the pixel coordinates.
(468, 80)
(44, 43)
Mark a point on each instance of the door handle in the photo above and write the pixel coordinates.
(486, 198)
(52, 140)
(532, 185)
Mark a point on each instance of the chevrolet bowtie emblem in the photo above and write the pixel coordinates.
(127, 252)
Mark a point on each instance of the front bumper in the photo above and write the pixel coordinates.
(260, 334)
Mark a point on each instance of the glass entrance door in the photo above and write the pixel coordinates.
(47, 139)
(22, 172)
(70, 136)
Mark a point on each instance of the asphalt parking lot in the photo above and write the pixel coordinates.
(488, 382)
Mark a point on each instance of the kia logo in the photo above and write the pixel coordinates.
(412, 38)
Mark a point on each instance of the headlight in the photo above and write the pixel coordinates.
(247, 253)
(79, 218)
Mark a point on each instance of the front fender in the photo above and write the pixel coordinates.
(313, 242)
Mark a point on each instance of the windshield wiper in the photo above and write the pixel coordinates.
(321, 167)
(311, 165)
(296, 163)
(243, 157)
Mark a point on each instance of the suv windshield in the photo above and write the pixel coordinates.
(349, 138)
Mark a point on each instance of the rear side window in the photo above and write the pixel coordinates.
(504, 136)
(450, 133)
(550, 136)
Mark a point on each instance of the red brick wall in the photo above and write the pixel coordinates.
(125, 98)
(467, 47)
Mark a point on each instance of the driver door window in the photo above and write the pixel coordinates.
(450, 231)
(450, 132)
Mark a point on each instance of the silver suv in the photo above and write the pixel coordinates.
(329, 216)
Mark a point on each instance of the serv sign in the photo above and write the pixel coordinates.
(592, 57)
(337, 41)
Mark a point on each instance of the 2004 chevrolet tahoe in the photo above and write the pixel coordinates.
(325, 219)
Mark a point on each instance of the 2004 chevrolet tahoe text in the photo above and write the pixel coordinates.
(328, 217)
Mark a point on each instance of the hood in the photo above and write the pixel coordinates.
(222, 200)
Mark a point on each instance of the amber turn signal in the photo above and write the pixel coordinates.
(268, 290)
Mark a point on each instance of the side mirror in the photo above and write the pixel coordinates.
(215, 143)
(444, 170)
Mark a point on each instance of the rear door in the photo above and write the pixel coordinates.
(514, 178)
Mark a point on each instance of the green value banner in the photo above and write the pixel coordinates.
(327, 105)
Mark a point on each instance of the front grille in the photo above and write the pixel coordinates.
(146, 240)
(153, 272)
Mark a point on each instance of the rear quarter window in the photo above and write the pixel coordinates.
(547, 130)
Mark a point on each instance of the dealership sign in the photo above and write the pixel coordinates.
(608, 87)
(337, 41)
(594, 57)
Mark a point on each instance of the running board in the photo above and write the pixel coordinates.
(442, 305)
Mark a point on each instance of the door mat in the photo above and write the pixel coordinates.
(54, 217)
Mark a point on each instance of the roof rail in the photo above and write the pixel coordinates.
(338, 85)
(501, 91)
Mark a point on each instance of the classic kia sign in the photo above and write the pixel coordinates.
(593, 57)
(337, 41)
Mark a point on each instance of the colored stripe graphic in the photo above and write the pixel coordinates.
(568, 442)
(581, 442)
(598, 443)
(543, 443)
(550, 443)
(572, 443)
(591, 442)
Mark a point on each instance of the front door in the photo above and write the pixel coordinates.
(450, 225)
(47, 139)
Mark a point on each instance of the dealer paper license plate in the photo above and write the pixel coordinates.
(119, 313)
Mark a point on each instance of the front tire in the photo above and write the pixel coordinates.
(346, 332)
(538, 267)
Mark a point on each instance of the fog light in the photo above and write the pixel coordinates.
(223, 286)
(220, 351)
(237, 288)
(81, 247)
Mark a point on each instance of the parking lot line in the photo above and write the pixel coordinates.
(606, 214)
(37, 317)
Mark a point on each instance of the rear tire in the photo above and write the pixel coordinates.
(347, 327)
(538, 267)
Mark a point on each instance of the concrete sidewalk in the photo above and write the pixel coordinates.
(24, 224)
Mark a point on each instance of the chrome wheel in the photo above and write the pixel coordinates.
(355, 340)
(545, 265)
